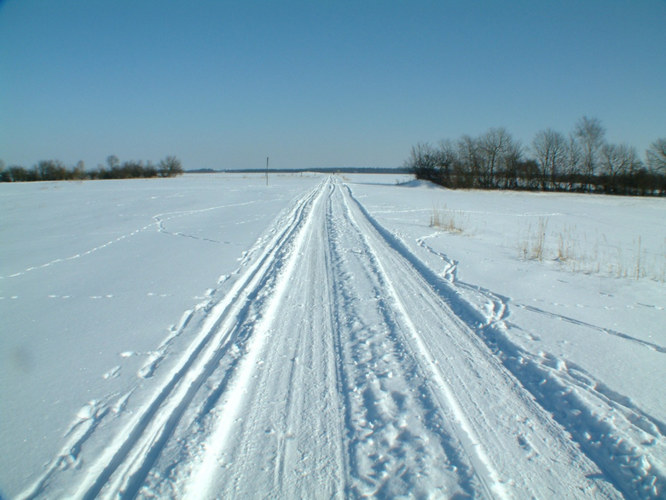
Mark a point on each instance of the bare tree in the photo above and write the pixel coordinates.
(79, 170)
(112, 161)
(583, 161)
(574, 155)
(469, 157)
(423, 161)
(656, 156)
(550, 151)
(618, 160)
(170, 167)
(447, 159)
(493, 144)
(4, 174)
(510, 161)
(590, 134)
(51, 170)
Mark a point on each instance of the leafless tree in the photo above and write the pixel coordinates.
(447, 159)
(511, 158)
(169, 167)
(550, 151)
(656, 156)
(493, 144)
(423, 161)
(618, 160)
(51, 170)
(469, 156)
(574, 155)
(112, 161)
(590, 134)
(583, 161)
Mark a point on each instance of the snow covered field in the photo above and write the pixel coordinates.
(213, 336)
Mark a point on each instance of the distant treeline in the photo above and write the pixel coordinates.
(582, 162)
(321, 170)
(54, 170)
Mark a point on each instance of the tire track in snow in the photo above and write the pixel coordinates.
(299, 380)
(626, 443)
(286, 437)
(523, 450)
(487, 476)
(245, 386)
(296, 384)
(398, 441)
(125, 462)
(224, 321)
(336, 366)
(420, 415)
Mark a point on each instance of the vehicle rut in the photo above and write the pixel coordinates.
(335, 365)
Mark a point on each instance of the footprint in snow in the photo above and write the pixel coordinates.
(112, 373)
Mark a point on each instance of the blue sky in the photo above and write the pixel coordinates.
(224, 84)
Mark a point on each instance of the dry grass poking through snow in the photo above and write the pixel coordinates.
(578, 251)
(550, 237)
(452, 221)
(532, 247)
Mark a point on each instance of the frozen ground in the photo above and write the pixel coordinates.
(212, 336)
(95, 276)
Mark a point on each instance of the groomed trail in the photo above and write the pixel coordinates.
(331, 365)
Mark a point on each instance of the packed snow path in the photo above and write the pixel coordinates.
(334, 365)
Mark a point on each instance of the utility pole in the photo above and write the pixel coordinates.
(267, 170)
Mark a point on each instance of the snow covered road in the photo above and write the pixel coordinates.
(334, 363)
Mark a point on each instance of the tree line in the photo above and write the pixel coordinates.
(582, 161)
(55, 170)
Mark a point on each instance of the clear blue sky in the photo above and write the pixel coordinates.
(224, 84)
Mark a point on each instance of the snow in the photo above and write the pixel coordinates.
(211, 335)
(584, 291)
(98, 275)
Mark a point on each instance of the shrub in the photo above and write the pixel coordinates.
(54, 170)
